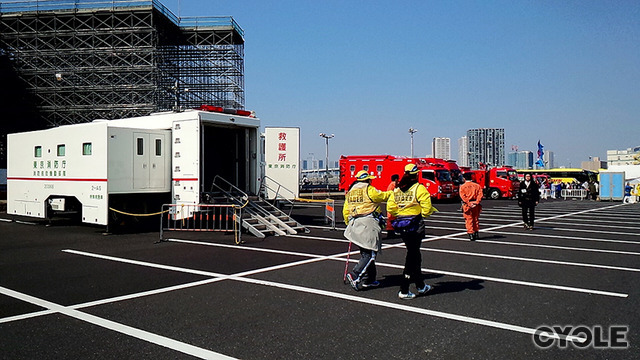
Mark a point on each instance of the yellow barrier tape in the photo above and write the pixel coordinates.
(130, 214)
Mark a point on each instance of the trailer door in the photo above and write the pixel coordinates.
(141, 161)
(186, 161)
(157, 156)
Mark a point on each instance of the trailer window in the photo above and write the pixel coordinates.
(86, 149)
(158, 147)
(61, 150)
(37, 152)
(140, 146)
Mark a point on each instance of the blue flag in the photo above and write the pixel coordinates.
(540, 161)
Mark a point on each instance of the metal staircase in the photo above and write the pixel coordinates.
(259, 217)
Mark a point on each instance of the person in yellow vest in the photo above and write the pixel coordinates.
(471, 195)
(361, 213)
(411, 204)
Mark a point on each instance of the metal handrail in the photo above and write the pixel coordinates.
(266, 187)
(252, 208)
(232, 190)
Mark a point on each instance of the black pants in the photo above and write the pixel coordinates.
(413, 262)
(528, 214)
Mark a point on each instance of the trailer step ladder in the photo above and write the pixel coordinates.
(259, 217)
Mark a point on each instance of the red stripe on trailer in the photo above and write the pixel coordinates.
(53, 179)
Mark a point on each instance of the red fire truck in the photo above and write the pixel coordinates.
(454, 170)
(497, 182)
(435, 177)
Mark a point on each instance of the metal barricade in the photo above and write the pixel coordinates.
(574, 193)
(329, 210)
(330, 213)
(202, 217)
(546, 193)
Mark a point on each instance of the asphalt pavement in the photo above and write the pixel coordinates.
(70, 291)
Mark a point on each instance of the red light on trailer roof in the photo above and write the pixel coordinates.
(219, 109)
(211, 108)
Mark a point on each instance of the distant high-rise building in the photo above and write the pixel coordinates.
(623, 157)
(463, 151)
(486, 146)
(512, 159)
(441, 148)
(549, 160)
(524, 160)
(594, 164)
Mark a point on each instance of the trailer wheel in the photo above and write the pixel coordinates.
(494, 194)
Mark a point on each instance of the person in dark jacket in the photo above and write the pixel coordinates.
(528, 198)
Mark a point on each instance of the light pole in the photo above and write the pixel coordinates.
(412, 131)
(326, 138)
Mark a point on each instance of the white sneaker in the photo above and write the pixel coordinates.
(425, 289)
(408, 296)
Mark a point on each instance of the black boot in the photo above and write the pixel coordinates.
(476, 236)
(471, 236)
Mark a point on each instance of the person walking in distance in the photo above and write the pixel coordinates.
(528, 198)
(471, 195)
(410, 203)
(361, 213)
(395, 179)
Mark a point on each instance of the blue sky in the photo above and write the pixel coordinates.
(566, 72)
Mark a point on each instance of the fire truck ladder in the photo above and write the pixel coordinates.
(259, 217)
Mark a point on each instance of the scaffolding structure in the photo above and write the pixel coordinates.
(83, 60)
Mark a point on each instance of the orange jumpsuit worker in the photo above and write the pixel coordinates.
(395, 179)
(471, 195)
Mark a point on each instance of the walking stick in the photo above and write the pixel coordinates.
(346, 265)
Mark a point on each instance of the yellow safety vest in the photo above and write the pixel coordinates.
(408, 199)
(359, 201)
(415, 201)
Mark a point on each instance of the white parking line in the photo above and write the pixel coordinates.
(18, 221)
(121, 328)
(530, 234)
(340, 257)
(553, 247)
(111, 300)
(518, 258)
(440, 314)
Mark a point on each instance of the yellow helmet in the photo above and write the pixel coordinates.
(411, 169)
(363, 175)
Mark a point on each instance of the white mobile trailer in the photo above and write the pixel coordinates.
(132, 165)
